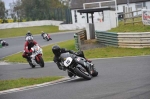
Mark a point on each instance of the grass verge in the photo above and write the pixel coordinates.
(13, 32)
(137, 27)
(22, 82)
(104, 52)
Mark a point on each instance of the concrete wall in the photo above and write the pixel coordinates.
(29, 24)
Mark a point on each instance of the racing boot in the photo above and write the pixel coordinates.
(88, 60)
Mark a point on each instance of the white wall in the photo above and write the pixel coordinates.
(148, 4)
(29, 24)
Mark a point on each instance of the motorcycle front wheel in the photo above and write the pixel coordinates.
(80, 72)
(41, 61)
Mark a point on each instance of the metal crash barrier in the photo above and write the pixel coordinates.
(128, 40)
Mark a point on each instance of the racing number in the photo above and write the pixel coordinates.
(68, 61)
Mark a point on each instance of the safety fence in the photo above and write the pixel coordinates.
(131, 19)
(128, 40)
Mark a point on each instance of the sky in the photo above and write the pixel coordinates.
(7, 3)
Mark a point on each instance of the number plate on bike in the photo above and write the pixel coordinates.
(68, 61)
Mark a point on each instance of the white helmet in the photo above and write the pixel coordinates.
(29, 39)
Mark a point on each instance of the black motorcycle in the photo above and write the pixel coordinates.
(78, 66)
(3, 43)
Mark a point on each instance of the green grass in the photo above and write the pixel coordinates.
(13, 32)
(91, 53)
(137, 27)
(16, 83)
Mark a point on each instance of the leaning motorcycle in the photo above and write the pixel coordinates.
(3, 43)
(36, 57)
(47, 37)
(78, 66)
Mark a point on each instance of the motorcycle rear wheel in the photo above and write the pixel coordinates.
(95, 73)
(33, 66)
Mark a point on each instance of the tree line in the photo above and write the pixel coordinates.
(34, 10)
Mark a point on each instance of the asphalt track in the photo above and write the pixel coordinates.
(119, 78)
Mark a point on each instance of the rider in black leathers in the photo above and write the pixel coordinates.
(28, 34)
(57, 52)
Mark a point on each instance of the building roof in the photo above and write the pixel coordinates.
(95, 10)
(78, 4)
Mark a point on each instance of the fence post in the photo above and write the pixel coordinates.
(77, 42)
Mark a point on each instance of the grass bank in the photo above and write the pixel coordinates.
(104, 52)
(13, 32)
(137, 27)
(22, 82)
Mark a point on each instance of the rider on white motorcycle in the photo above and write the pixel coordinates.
(27, 47)
(57, 51)
(43, 35)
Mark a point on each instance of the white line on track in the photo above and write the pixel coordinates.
(63, 80)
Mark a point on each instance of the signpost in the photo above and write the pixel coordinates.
(146, 16)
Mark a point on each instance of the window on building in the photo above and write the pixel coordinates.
(139, 6)
(144, 4)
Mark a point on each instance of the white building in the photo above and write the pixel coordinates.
(80, 18)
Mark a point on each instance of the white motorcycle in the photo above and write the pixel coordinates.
(36, 57)
(46, 36)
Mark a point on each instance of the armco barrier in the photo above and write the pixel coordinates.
(129, 40)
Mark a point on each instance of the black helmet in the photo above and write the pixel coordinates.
(56, 50)
(29, 33)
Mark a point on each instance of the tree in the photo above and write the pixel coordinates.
(2, 9)
(37, 9)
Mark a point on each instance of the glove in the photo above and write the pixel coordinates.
(29, 53)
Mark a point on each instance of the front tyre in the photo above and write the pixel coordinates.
(82, 73)
(41, 61)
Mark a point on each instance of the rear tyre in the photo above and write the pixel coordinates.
(33, 66)
(95, 73)
(83, 74)
(6, 44)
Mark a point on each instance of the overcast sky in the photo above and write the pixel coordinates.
(7, 3)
